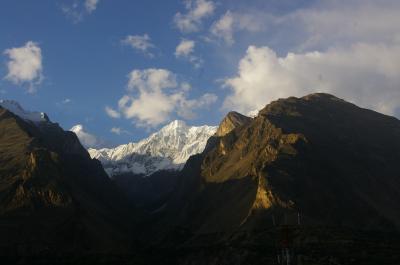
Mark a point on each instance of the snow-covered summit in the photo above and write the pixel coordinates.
(16, 108)
(169, 148)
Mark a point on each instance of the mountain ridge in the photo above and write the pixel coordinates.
(298, 156)
(232, 120)
(317, 170)
(17, 109)
(53, 194)
(167, 149)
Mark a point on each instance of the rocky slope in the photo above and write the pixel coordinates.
(53, 197)
(318, 157)
(231, 121)
(167, 149)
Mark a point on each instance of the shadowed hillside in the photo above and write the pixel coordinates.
(317, 161)
(53, 197)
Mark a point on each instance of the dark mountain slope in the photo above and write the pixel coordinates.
(328, 160)
(53, 197)
(147, 192)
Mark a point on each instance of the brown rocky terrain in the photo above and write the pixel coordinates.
(322, 157)
(231, 121)
(317, 161)
(53, 197)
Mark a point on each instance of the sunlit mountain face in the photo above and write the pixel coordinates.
(167, 149)
(200, 132)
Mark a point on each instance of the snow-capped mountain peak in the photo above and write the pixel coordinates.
(169, 148)
(174, 125)
(16, 108)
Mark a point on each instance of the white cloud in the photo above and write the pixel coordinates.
(231, 22)
(154, 95)
(140, 43)
(347, 48)
(87, 139)
(91, 5)
(366, 74)
(223, 28)
(197, 10)
(187, 106)
(185, 49)
(78, 9)
(25, 65)
(153, 80)
(66, 101)
(252, 113)
(325, 24)
(335, 23)
(118, 131)
(112, 112)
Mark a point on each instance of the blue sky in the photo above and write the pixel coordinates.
(235, 55)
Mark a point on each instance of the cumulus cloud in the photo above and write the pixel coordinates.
(197, 10)
(152, 80)
(87, 139)
(25, 65)
(66, 101)
(140, 43)
(156, 94)
(350, 49)
(112, 112)
(185, 49)
(366, 74)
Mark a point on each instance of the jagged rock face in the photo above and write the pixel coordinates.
(52, 194)
(322, 157)
(231, 121)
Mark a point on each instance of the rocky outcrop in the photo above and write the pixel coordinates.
(231, 121)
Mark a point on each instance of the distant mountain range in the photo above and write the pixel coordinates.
(167, 149)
